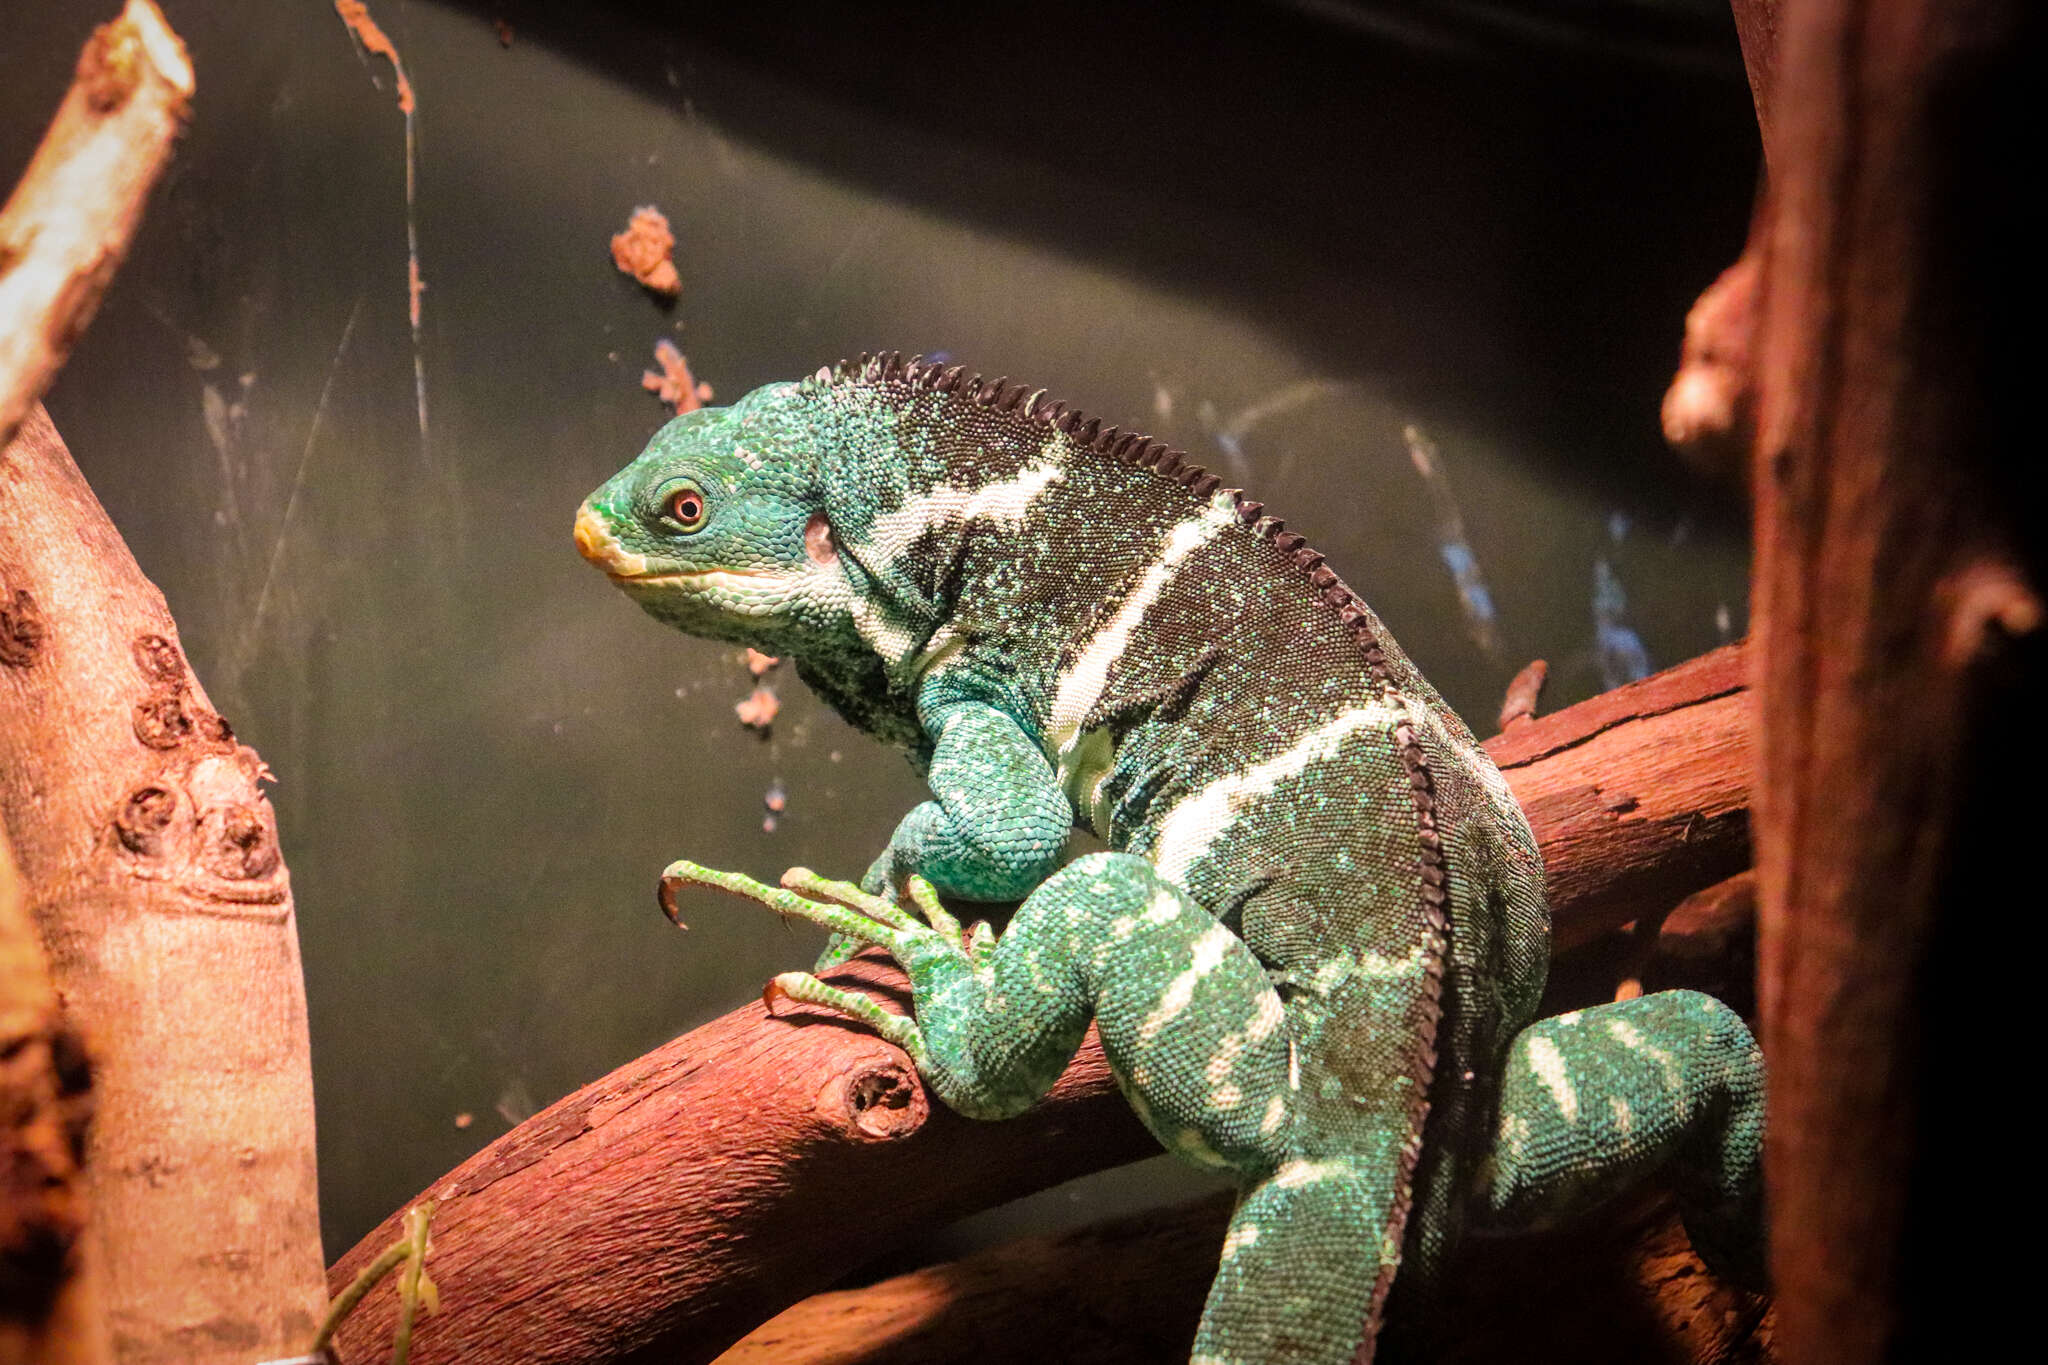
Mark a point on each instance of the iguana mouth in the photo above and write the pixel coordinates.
(655, 577)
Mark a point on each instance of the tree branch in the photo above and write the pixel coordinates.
(1621, 1287)
(685, 1198)
(67, 226)
(1638, 797)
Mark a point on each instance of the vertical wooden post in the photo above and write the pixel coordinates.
(149, 858)
(1756, 28)
(1900, 668)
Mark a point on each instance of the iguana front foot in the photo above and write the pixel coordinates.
(856, 917)
(809, 990)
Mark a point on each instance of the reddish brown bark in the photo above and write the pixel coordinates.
(1709, 413)
(667, 1209)
(1899, 663)
(1638, 797)
(1621, 1288)
(1756, 28)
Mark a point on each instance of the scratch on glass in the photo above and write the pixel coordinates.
(1617, 647)
(355, 15)
(252, 631)
(1230, 435)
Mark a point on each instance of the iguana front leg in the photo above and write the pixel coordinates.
(997, 820)
(1189, 1022)
(1199, 1042)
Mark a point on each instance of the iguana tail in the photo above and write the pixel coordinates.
(1302, 1271)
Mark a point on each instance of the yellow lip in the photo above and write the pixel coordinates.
(598, 545)
(592, 540)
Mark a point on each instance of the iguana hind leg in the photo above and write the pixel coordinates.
(1596, 1101)
(1197, 1038)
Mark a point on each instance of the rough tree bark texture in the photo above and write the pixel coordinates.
(150, 857)
(1638, 797)
(1900, 666)
(49, 1291)
(666, 1210)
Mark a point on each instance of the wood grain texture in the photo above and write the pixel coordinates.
(1901, 540)
(149, 855)
(666, 1210)
(1638, 797)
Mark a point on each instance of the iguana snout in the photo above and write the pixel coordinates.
(598, 545)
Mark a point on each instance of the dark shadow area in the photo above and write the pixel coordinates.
(1503, 209)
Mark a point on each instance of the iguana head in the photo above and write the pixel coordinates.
(719, 527)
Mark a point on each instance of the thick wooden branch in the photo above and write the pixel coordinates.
(1638, 797)
(1623, 1287)
(1901, 568)
(67, 226)
(666, 1210)
(149, 855)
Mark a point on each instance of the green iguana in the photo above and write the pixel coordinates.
(1316, 946)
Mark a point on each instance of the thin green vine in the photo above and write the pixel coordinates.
(416, 1289)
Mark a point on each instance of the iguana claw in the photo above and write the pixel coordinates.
(665, 896)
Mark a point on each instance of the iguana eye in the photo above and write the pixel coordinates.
(685, 507)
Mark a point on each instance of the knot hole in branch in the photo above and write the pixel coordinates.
(167, 718)
(883, 1101)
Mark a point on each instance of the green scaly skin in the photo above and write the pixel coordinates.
(1315, 949)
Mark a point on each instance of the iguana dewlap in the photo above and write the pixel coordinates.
(1316, 946)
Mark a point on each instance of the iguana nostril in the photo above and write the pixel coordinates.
(592, 540)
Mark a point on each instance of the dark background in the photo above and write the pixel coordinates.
(1273, 233)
